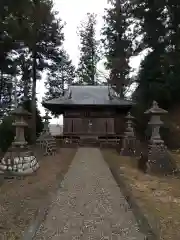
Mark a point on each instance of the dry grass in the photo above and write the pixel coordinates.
(159, 198)
(21, 199)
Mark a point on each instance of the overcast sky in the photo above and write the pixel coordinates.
(72, 12)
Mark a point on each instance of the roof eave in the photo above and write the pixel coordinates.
(61, 108)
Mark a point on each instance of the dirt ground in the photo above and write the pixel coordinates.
(21, 199)
(158, 198)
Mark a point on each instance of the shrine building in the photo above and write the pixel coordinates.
(91, 111)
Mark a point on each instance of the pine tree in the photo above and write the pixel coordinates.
(158, 77)
(62, 73)
(89, 57)
(159, 73)
(8, 46)
(117, 41)
(42, 35)
(31, 36)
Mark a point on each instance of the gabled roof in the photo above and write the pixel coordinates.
(88, 95)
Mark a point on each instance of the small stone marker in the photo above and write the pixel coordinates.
(142, 161)
(19, 160)
(129, 141)
(159, 160)
(46, 141)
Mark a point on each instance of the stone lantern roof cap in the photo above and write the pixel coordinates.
(47, 117)
(21, 111)
(155, 109)
(129, 116)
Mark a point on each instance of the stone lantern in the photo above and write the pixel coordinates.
(159, 160)
(46, 123)
(129, 140)
(46, 141)
(19, 160)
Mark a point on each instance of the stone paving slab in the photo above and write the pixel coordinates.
(89, 205)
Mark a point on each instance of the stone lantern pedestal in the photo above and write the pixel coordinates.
(129, 140)
(46, 141)
(19, 160)
(159, 160)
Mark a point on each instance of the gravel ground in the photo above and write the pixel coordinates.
(89, 205)
(20, 200)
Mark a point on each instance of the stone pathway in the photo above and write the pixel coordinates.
(89, 206)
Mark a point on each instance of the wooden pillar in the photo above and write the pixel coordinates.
(69, 125)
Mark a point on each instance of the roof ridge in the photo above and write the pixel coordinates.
(88, 86)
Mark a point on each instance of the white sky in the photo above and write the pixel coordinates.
(73, 12)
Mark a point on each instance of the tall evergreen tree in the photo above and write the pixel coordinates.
(8, 45)
(31, 36)
(151, 80)
(89, 57)
(42, 36)
(62, 73)
(159, 73)
(117, 41)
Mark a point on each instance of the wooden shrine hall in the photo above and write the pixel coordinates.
(91, 112)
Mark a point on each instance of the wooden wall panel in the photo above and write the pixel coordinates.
(65, 125)
(101, 124)
(78, 125)
(95, 125)
(119, 123)
(85, 123)
(110, 125)
(75, 125)
(68, 125)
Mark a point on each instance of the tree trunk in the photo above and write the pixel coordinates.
(62, 72)
(26, 81)
(33, 101)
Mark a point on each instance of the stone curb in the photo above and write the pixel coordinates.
(142, 221)
(34, 226)
(41, 214)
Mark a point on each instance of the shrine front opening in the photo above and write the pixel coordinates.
(88, 123)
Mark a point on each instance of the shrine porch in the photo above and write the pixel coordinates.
(84, 140)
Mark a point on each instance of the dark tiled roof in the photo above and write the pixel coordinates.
(88, 95)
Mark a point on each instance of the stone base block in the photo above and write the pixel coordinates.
(19, 161)
(160, 161)
(47, 143)
(128, 147)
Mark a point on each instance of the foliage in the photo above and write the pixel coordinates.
(117, 41)
(6, 133)
(30, 37)
(89, 56)
(62, 73)
(39, 121)
(158, 76)
(7, 46)
(43, 37)
(31, 40)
